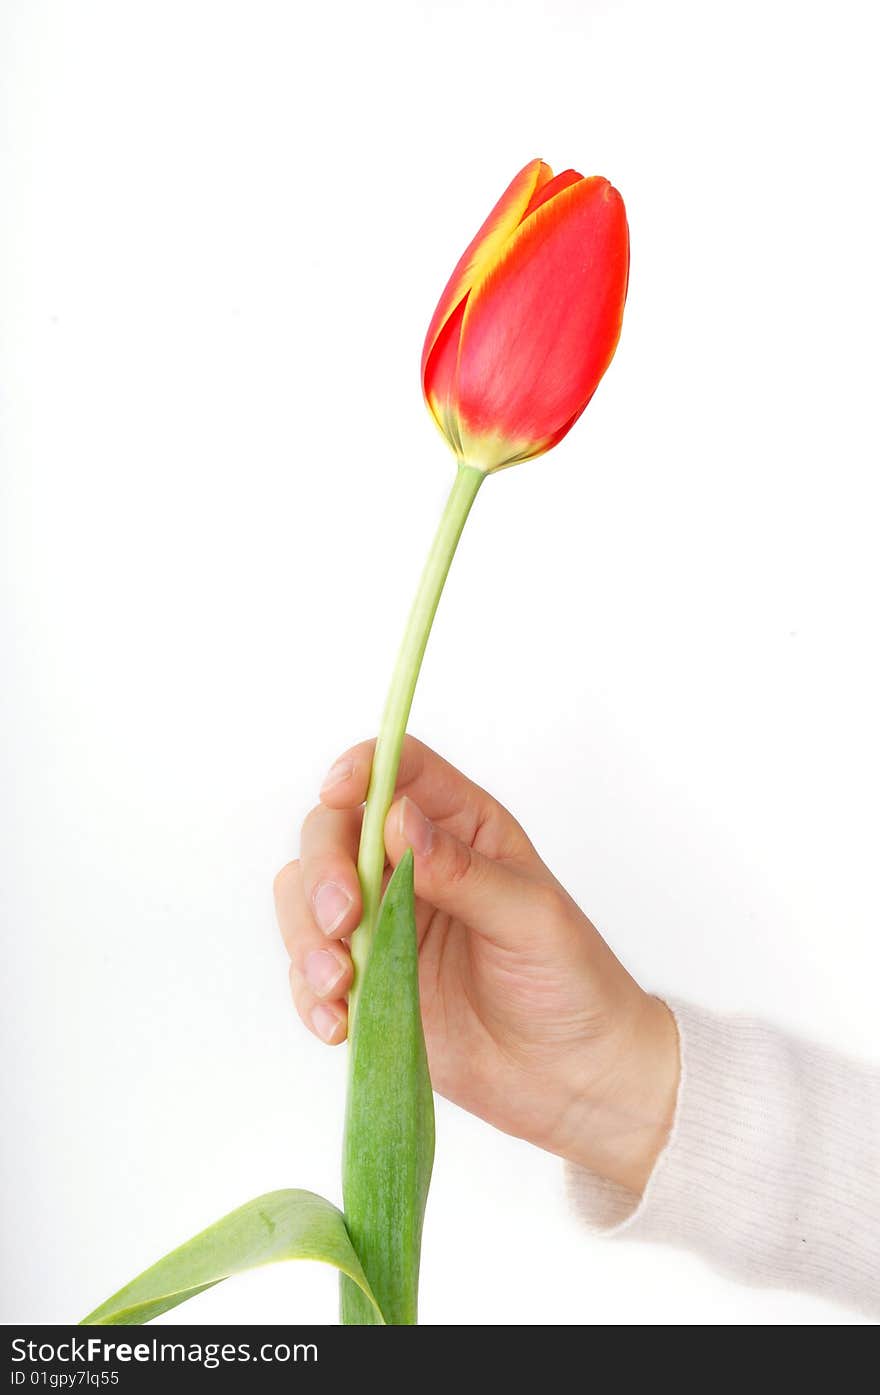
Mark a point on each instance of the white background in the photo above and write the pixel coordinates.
(225, 226)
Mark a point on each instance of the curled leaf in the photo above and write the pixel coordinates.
(280, 1225)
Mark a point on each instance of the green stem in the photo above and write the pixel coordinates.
(386, 759)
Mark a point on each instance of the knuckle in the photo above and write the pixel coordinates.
(413, 754)
(302, 999)
(460, 862)
(312, 819)
(551, 903)
(285, 878)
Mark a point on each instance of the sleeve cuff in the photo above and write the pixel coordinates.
(771, 1167)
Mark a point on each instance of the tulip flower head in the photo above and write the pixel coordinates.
(529, 319)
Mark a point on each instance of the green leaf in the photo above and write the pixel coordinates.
(280, 1225)
(389, 1129)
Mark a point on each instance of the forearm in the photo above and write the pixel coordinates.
(772, 1169)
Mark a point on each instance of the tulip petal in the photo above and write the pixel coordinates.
(484, 250)
(541, 326)
(553, 187)
(439, 378)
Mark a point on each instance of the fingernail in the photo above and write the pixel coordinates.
(338, 772)
(415, 829)
(325, 1022)
(331, 903)
(323, 971)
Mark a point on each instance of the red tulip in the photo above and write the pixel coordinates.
(529, 319)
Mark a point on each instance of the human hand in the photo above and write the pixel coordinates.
(530, 1020)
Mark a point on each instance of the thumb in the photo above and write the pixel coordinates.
(490, 897)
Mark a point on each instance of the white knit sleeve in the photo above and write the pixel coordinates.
(772, 1169)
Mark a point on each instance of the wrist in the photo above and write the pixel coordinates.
(621, 1122)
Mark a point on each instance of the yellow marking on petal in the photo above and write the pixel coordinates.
(488, 246)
